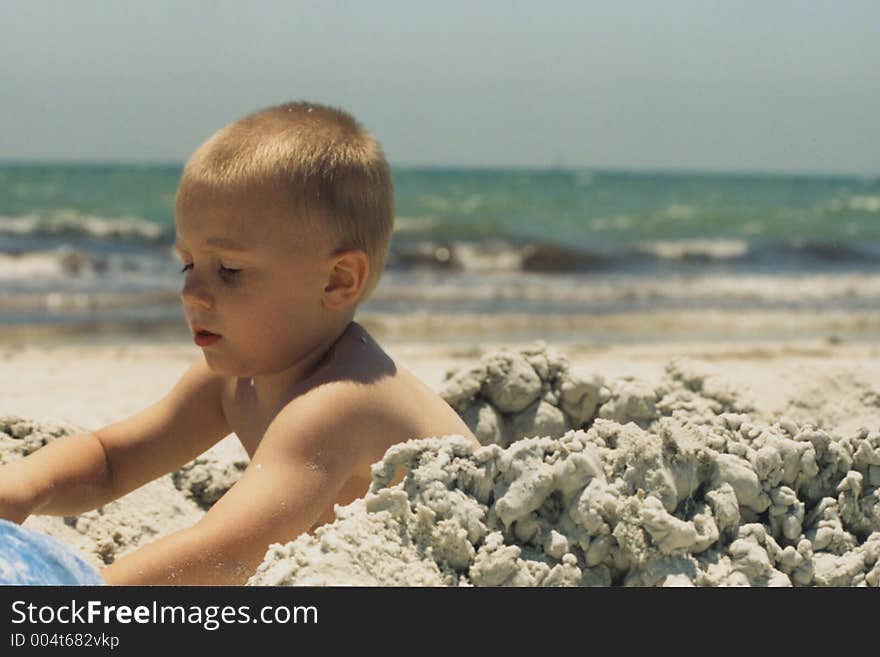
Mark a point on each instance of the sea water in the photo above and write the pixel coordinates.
(88, 246)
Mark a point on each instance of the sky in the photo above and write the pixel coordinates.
(742, 85)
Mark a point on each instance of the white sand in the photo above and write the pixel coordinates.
(833, 387)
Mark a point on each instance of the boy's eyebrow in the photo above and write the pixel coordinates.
(218, 242)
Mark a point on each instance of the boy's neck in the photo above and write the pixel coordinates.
(271, 391)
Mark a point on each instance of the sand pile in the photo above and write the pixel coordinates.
(581, 480)
(628, 484)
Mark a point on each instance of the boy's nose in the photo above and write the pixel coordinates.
(195, 295)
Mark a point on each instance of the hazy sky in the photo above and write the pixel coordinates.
(769, 85)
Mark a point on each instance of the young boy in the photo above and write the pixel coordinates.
(283, 222)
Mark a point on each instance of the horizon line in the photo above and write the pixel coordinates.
(549, 168)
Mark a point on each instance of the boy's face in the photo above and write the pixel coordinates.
(253, 278)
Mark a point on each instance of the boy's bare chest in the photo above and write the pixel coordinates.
(245, 419)
(248, 425)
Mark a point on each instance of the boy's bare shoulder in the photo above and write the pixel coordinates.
(379, 402)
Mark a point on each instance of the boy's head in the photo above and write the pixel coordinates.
(327, 175)
(307, 193)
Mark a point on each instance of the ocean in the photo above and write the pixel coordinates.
(483, 254)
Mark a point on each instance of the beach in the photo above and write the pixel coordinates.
(705, 342)
(93, 385)
(830, 385)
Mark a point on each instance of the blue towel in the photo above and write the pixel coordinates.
(31, 558)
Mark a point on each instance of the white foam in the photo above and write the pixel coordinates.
(866, 203)
(70, 221)
(581, 289)
(683, 249)
(59, 263)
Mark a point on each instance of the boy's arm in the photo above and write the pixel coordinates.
(77, 473)
(168, 434)
(300, 466)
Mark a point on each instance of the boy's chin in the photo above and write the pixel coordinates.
(219, 365)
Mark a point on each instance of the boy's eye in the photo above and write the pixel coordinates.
(224, 271)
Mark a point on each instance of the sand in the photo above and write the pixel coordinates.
(707, 465)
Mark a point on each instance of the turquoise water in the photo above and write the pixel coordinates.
(584, 209)
(90, 244)
(575, 208)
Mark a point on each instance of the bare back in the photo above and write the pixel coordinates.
(404, 406)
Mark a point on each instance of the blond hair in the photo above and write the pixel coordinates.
(328, 170)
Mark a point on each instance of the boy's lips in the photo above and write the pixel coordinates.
(198, 328)
(203, 337)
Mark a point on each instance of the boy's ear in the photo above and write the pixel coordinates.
(347, 279)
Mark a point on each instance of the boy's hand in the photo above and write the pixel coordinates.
(304, 459)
